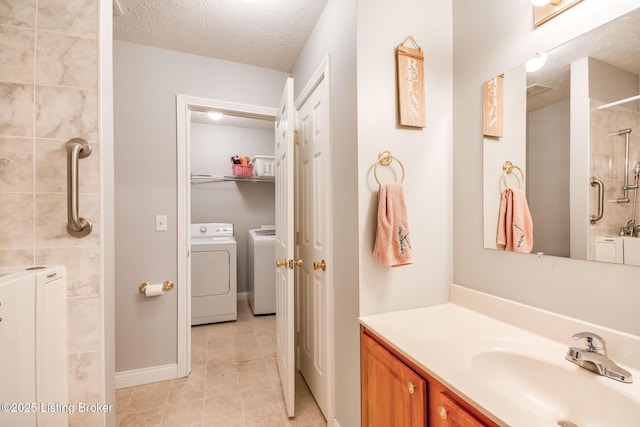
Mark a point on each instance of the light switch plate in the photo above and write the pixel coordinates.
(161, 223)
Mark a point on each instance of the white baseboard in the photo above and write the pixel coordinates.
(243, 296)
(146, 376)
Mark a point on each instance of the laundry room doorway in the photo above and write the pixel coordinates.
(218, 202)
(310, 201)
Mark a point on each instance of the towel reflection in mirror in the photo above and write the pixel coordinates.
(515, 226)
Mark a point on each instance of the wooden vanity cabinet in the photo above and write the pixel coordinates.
(395, 392)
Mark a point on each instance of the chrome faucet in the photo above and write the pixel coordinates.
(594, 358)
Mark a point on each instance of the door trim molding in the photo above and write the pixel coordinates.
(184, 105)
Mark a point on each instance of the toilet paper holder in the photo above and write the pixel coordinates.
(166, 286)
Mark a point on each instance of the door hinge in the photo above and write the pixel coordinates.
(298, 338)
(296, 137)
(297, 238)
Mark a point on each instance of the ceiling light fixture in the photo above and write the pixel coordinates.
(537, 62)
(214, 115)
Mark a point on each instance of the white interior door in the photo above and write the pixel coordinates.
(313, 204)
(285, 345)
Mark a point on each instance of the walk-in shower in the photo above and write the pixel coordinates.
(626, 187)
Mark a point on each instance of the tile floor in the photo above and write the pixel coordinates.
(233, 383)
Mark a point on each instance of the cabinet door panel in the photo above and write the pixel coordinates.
(448, 413)
(392, 393)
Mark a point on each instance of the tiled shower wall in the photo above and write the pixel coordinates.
(607, 164)
(48, 95)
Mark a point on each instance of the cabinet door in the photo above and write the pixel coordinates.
(446, 412)
(392, 393)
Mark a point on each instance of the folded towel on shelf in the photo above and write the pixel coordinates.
(515, 226)
(392, 247)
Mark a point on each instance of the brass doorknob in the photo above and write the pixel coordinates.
(281, 263)
(410, 387)
(297, 263)
(320, 265)
(442, 412)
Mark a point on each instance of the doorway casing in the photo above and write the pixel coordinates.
(184, 106)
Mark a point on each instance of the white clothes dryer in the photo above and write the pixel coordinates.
(214, 286)
(262, 270)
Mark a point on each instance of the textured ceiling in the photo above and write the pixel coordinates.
(267, 33)
(616, 43)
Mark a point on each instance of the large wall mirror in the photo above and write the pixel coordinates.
(572, 129)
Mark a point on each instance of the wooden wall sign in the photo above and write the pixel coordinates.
(492, 107)
(410, 84)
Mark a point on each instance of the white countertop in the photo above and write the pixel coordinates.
(442, 340)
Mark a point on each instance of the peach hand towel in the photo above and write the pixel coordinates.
(392, 247)
(515, 226)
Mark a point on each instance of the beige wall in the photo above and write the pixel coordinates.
(490, 37)
(425, 153)
(49, 94)
(146, 82)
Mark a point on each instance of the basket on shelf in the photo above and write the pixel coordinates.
(242, 170)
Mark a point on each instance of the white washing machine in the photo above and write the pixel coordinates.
(262, 270)
(214, 286)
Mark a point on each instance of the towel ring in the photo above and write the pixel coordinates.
(385, 158)
(508, 168)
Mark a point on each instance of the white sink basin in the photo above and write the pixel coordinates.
(553, 389)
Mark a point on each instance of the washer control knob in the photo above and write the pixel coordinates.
(203, 229)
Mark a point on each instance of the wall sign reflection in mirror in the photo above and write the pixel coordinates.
(556, 132)
(493, 107)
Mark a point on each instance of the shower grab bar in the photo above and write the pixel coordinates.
(594, 182)
(77, 148)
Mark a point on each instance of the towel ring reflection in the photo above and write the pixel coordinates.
(385, 158)
(508, 168)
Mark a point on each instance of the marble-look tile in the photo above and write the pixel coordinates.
(222, 384)
(183, 413)
(66, 113)
(221, 405)
(267, 344)
(258, 398)
(19, 13)
(16, 109)
(16, 164)
(51, 167)
(76, 17)
(219, 350)
(233, 420)
(17, 52)
(82, 265)
(51, 220)
(66, 61)
(13, 257)
(84, 419)
(85, 378)
(148, 418)
(247, 348)
(308, 413)
(122, 397)
(84, 324)
(16, 220)
(183, 391)
(268, 416)
(149, 397)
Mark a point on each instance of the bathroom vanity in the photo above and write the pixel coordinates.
(397, 392)
(480, 360)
